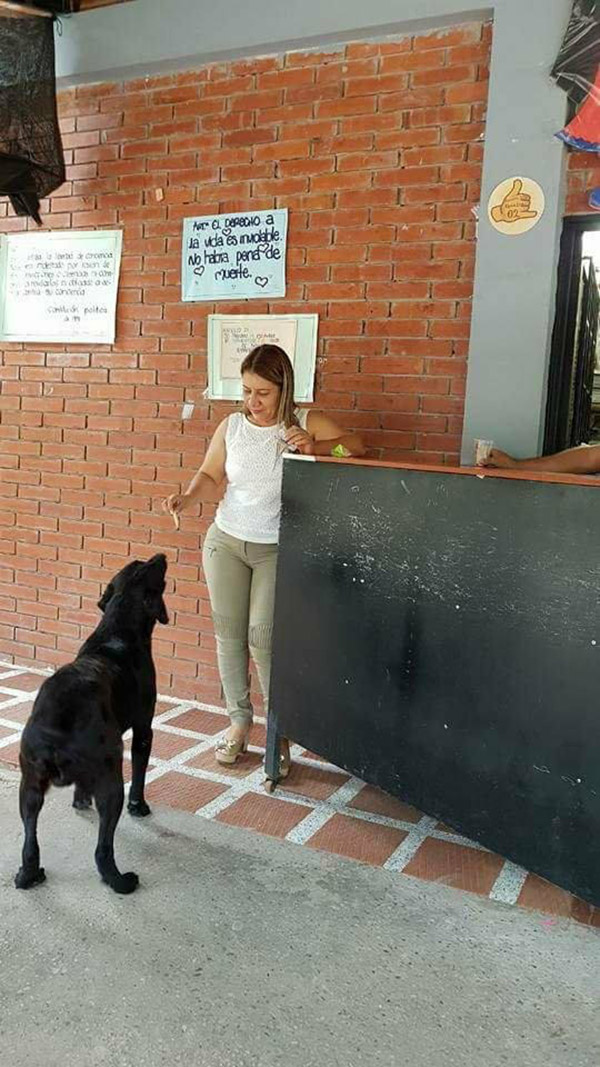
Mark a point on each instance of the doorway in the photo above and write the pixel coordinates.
(573, 406)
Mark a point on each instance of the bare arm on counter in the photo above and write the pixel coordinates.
(582, 460)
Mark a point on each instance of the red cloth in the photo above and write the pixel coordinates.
(584, 131)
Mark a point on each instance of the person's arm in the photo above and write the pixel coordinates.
(582, 460)
(207, 481)
(321, 436)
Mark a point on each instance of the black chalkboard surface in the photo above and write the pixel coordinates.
(438, 635)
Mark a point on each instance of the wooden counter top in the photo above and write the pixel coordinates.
(586, 480)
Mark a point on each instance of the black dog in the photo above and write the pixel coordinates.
(73, 735)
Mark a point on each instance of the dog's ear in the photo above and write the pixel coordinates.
(156, 608)
(106, 596)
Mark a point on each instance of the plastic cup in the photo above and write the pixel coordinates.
(483, 450)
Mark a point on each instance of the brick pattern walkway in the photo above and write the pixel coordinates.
(318, 806)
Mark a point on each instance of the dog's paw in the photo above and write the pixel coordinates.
(138, 808)
(26, 879)
(125, 883)
(82, 803)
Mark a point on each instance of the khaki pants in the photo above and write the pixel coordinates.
(241, 583)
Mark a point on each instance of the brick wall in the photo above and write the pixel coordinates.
(583, 175)
(376, 151)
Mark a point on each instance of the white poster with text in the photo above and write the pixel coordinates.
(234, 257)
(240, 335)
(232, 337)
(60, 287)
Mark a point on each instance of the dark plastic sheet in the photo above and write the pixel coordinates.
(31, 156)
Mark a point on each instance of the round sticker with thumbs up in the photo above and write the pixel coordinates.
(516, 206)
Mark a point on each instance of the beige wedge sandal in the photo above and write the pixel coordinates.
(227, 752)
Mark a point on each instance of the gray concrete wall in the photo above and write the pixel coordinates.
(145, 36)
(515, 283)
(515, 277)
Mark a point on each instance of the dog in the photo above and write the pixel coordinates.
(74, 733)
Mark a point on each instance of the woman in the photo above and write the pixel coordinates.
(240, 549)
(582, 460)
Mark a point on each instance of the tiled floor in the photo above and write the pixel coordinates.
(318, 805)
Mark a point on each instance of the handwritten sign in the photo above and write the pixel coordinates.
(60, 286)
(240, 256)
(232, 337)
(240, 335)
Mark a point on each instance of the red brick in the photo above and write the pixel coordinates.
(252, 101)
(288, 78)
(414, 61)
(445, 76)
(282, 150)
(335, 182)
(394, 47)
(469, 93)
(412, 138)
(81, 140)
(370, 235)
(311, 59)
(434, 193)
(358, 105)
(377, 83)
(309, 95)
(388, 365)
(346, 68)
(469, 53)
(359, 50)
(397, 327)
(462, 134)
(251, 65)
(451, 38)
(436, 154)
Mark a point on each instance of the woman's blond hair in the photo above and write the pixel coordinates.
(273, 364)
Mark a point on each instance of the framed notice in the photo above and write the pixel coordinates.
(232, 337)
(234, 257)
(60, 287)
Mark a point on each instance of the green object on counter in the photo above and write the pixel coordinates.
(340, 452)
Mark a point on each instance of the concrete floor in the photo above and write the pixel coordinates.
(243, 951)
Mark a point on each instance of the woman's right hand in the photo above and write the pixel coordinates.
(176, 503)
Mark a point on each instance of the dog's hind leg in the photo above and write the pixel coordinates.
(31, 799)
(82, 800)
(141, 746)
(109, 801)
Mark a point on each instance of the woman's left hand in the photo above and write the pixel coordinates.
(299, 439)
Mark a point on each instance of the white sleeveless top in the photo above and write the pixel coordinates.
(251, 507)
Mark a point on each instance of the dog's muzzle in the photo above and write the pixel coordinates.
(159, 561)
